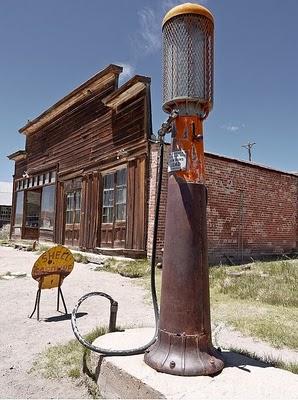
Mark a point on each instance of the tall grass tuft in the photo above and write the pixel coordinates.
(273, 283)
(129, 269)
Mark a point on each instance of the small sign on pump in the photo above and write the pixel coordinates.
(177, 161)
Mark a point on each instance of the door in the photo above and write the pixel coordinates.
(113, 227)
(32, 214)
(72, 217)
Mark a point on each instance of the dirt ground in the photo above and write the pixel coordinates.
(22, 339)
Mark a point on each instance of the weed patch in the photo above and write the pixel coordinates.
(129, 269)
(273, 283)
(42, 248)
(4, 233)
(67, 360)
(259, 300)
(80, 258)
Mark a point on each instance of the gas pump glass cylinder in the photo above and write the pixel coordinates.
(188, 82)
(183, 345)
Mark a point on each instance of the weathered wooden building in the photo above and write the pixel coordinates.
(82, 177)
(87, 179)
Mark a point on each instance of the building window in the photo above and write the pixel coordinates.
(19, 209)
(32, 208)
(52, 176)
(120, 198)
(5, 213)
(108, 199)
(46, 178)
(73, 207)
(47, 212)
(37, 180)
(114, 197)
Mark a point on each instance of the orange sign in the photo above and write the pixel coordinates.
(52, 267)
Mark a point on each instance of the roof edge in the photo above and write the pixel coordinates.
(251, 164)
(125, 86)
(112, 68)
(18, 155)
(248, 163)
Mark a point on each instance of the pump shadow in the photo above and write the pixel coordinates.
(64, 317)
(237, 360)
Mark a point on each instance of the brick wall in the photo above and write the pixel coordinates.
(252, 210)
(153, 163)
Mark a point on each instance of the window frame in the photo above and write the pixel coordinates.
(114, 189)
(76, 195)
(21, 212)
(25, 210)
(42, 227)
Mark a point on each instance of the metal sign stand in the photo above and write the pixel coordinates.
(60, 294)
(37, 299)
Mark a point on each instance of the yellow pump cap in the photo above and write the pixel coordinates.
(187, 8)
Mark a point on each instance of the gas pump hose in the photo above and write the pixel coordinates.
(138, 350)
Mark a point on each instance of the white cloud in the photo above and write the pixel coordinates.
(128, 70)
(148, 38)
(149, 35)
(232, 128)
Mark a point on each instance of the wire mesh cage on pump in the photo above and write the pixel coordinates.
(188, 59)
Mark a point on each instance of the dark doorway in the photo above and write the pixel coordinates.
(32, 214)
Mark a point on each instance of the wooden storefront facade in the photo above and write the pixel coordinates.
(82, 178)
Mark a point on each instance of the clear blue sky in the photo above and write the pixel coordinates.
(50, 47)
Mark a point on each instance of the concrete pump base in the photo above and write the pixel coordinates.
(129, 377)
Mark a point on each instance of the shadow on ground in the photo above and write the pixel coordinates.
(242, 362)
(64, 317)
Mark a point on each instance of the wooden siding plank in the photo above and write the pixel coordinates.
(130, 203)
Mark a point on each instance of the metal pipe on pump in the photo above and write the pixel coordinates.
(183, 345)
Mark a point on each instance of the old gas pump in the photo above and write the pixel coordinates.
(183, 345)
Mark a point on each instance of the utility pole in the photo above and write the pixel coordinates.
(249, 146)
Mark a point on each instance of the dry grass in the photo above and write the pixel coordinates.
(80, 258)
(129, 269)
(68, 360)
(261, 302)
(273, 283)
(4, 234)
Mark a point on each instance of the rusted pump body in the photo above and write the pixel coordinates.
(184, 345)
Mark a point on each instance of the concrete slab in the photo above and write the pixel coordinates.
(130, 378)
